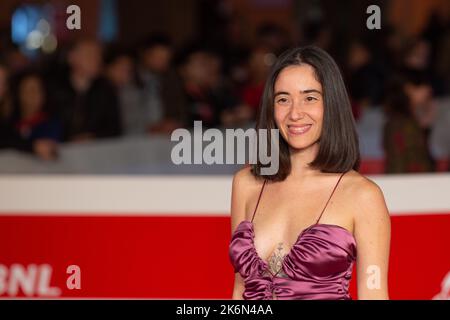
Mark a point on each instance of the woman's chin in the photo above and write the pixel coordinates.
(300, 145)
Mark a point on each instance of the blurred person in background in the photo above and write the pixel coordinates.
(443, 62)
(8, 138)
(120, 71)
(366, 78)
(233, 113)
(234, 50)
(199, 90)
(318, 33)
(259, 63)
(405, 138)
(85, 102)
(198, 74)
(15, 59)
(437, 33)
(5, 103)
(417, 56)
(30, 127)
(272, 37)
(250, 76)
(154, 72)
(440, 135)
(391, 45)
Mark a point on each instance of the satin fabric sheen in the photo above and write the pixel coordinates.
(318, 266)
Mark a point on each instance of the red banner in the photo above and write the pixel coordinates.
(176, 255)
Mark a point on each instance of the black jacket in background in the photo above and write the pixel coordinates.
(95, 111)
(10, 139)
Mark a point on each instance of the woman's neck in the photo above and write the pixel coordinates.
(300, 159)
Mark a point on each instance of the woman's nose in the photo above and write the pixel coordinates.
(296, 111)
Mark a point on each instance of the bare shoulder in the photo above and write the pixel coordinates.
(366, 196)
(245, 188)
(244, 181)
(360, 185)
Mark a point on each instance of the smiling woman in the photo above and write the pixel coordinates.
(305, 88)
(293, 250)
(297, 92)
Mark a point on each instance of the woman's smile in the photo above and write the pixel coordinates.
(296, 130)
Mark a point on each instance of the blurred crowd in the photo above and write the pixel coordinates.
(88, 90)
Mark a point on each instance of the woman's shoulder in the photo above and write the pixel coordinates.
(365, 194)
(244, 179)
(244, 190)
(359, 185)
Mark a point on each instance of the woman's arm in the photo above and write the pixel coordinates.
(238, 206)
(238, 288)
(372, 233)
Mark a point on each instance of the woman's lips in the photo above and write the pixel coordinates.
(298, 129)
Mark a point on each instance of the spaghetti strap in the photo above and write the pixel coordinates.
(259, 198)
(330, 197)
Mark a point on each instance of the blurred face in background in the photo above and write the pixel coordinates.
(31, 95)
(419, 55)
(418, 94)
(298, 106)
(86, 59)
(16, 60)
(358, 56)
(157, 58)
(197, 69)
(259, 64)
(120, 71)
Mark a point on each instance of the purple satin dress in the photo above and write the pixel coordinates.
(318, 266)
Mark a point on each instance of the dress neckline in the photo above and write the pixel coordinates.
(297, 241)
(300, 234)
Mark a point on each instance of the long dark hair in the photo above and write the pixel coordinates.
(339, 146)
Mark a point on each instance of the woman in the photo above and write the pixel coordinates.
(32, 129)
(284, 244)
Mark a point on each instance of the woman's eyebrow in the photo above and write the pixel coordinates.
(280, 92)
(310, 91)
(301, 91)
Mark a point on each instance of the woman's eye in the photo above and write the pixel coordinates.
(310, 99)
(282, 100)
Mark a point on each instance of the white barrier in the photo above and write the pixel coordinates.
(209, 195)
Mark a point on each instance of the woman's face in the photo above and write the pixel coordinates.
(298, 106)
